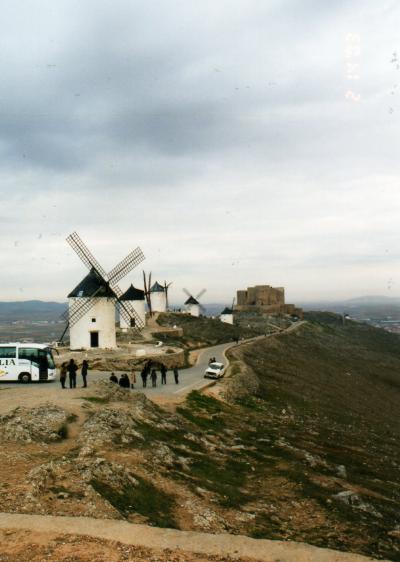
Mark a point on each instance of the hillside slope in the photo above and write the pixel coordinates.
(327, 410)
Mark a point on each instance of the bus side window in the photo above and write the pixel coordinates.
(29, 353)
(8, 352)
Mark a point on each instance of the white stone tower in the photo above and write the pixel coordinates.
(193, 306)
(227, 316)
(158, 298)
(96, 327)
(135, 297)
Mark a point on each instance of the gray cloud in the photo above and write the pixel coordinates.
(216, 135)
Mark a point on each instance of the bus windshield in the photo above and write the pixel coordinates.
(50, 360)
(37, 356)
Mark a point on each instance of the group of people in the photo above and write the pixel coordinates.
(148, 371)
(70, 368)
(211, 360)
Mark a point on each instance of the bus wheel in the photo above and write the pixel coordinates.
(25, 378)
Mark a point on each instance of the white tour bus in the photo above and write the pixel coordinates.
(26, 362)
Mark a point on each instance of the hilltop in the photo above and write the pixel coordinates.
(327, 406)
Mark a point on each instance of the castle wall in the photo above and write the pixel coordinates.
(241, 298)
(265, 299)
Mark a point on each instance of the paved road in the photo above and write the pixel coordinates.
(189, 379)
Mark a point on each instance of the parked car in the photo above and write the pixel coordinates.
(214, 371)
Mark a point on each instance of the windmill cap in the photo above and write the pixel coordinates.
(157, 288)
(192, 300)
(92, 283)
(133, 294)
(227, 311)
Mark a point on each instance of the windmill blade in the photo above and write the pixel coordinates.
(200, 294)
(131, 261)
(202, 308)
(186, 292)
(64, 332)
(128, 313)
(126, 309)
(84, 254)
(149, 302)
(82, 309)
(64, 315)
(144, 282)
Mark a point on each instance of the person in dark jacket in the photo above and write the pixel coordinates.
(163, 371)
(113, 378)
(143, 374)
(84, 372)
(63, 374)
(72, 367)
(176, 375)
(153, 376)
(124, 381)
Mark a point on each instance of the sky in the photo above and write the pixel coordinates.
(237, 142)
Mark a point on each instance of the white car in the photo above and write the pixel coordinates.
(214, 371)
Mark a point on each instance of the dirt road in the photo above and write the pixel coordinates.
(142, 535)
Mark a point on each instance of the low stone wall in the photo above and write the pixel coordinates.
(122, 361)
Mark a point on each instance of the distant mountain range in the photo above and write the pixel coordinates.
(369, 300)
(37, 310)
(34, 310)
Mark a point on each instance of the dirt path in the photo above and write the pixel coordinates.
(193, 542)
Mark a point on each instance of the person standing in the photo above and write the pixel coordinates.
(63, 374)
(163, 371)
(72, 367)
(84, 372)
(176, 375)
(143, 374)
(133, 378)
(153, 378)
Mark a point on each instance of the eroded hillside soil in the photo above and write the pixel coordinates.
(313, 457)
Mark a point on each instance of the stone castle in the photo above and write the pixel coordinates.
(265, 299)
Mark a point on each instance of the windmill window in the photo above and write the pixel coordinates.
(93, 319)
(80, 294)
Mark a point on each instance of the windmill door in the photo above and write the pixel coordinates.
(94, 339)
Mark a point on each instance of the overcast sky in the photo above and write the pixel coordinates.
(237, 142)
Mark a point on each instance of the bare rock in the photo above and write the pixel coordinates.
(45, 423)
(109, 426)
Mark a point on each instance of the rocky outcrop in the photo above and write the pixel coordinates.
(241, 382)
(110, 426)
(45, 423)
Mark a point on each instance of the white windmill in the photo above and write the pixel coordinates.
(91, 312)
(226, 315)
(159, 297)
(193, 306)
(135, 297)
